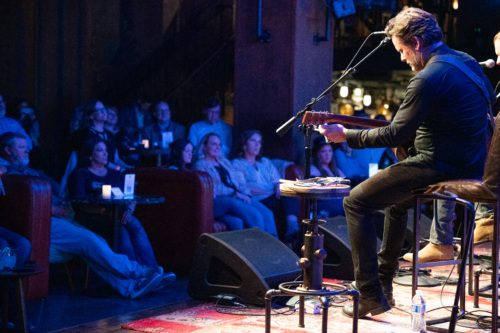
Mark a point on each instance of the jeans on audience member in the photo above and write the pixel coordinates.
(442, 222)
(116, 269)
(20, 244)
(134, 242)
(232, 222)
(254, 214)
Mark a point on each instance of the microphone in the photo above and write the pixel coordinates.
(378, 33)
(490, 63)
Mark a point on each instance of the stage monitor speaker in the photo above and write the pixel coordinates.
(338, 262)
(245, 263)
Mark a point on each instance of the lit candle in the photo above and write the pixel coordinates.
(106, 191)
(145, 143)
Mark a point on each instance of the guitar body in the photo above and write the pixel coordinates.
(324, 117)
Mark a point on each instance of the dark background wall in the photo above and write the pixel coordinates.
(57, 54)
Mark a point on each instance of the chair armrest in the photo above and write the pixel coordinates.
(26, 209)
(175, 226)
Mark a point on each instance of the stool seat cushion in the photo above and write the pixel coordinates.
(467, 189)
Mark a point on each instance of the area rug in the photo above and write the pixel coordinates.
(211, 318)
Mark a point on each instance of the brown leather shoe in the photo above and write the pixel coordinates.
(484, 230)
(386, 290)
(432, 252)
(373, 306)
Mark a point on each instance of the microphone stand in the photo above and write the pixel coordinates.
(312, 261)
(285, 127)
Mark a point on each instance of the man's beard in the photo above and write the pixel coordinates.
(417, 63)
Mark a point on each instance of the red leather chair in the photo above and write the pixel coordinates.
(174, 227)
(26, 209)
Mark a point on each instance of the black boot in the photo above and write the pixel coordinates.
(373, 306)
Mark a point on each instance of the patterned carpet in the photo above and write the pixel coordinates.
(210, 317)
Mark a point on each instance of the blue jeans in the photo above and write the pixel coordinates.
(253, 214)
(21, 245)
(117, 270)
(134, 242)
(442, 222)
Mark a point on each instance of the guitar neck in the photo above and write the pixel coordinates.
(319, 118)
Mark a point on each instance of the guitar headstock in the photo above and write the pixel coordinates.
(316, 117)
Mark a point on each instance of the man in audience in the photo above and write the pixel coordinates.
(127, 277)
(212, 124)
(134, 118)
(163, 131)
(11, 125)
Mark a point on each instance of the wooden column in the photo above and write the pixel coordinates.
(276, 79)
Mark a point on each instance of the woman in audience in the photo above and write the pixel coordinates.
(97, 114)
(262, 179)
(132, 239)
(181, 155)
(124, 144)
(231, 194)
(323, 165)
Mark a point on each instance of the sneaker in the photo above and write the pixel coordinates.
(168, 278)
(146, 285)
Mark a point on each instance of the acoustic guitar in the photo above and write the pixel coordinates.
(324, 117)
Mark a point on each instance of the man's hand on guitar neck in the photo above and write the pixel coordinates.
(333, 132)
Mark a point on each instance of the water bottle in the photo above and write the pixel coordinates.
(418, 312)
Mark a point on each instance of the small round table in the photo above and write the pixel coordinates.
(313, 256)
(16, 276)
(115, 204)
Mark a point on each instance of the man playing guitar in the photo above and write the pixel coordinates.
(445, 108)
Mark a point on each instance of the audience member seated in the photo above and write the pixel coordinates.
(11, 125)
(212, 124)
(27, 118)
(97, 114)
(355, 163)
(132, 239)
(78, 119)
(440, 246)
(262, 179)
(135, 117)
(181, 155)
(163, 131)
(124, 144)
(323, 165)
(233, 203)
(129, 278)
(18, 243)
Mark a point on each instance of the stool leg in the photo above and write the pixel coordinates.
(21, 307)
(416, 247)
(267, 301)
(494, 275)
(355, 299)
(325, 303)
(460, 291)
(5, 304)
(268, 313)
(301, 311)
(476, 288)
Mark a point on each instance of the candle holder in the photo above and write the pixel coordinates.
(106, 191)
